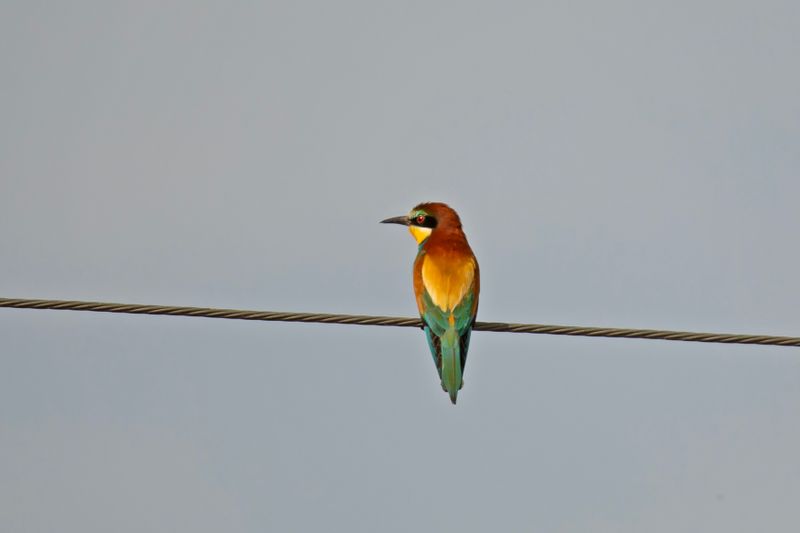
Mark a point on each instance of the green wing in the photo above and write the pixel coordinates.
(449, 344)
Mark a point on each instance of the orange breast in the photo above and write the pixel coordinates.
(447, 278)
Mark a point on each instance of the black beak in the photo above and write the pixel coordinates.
(396, 220)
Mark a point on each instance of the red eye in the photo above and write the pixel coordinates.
(421, 219)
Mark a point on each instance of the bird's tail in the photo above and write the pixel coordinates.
(451, 363)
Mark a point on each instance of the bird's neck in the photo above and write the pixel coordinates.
(444, 237)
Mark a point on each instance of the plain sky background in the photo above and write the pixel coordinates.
(632, 164)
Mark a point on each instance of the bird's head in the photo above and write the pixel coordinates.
(426, 218)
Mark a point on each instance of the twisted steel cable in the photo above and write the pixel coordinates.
(366, 320)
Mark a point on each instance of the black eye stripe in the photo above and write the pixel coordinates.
(427, 222)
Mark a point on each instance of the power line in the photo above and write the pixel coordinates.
(366, 320)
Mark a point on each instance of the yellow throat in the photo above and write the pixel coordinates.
(419, 233)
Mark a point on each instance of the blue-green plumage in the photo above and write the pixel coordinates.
(448, 342)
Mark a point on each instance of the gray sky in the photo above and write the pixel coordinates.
(615, 163)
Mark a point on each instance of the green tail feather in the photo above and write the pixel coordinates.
(448, 340)
(451, 363)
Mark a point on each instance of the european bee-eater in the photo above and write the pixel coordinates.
(446, 284)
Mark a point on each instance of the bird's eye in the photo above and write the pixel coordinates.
(420, 219)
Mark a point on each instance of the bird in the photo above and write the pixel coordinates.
(446, 286)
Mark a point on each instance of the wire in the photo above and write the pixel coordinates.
(365, 320)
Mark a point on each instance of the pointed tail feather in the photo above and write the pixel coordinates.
(451, 363)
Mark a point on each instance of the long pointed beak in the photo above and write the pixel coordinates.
(396, 220)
